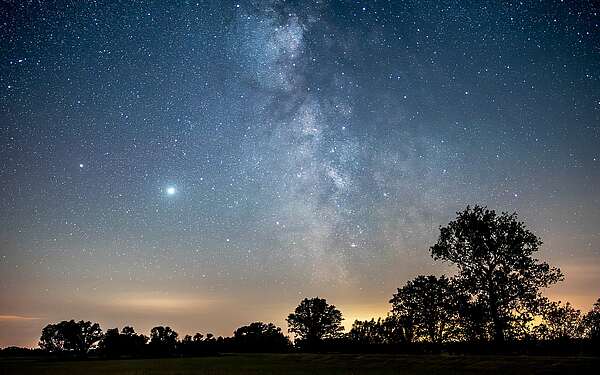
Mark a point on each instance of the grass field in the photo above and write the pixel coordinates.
(312, 364)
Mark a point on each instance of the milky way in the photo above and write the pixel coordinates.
(209, 164)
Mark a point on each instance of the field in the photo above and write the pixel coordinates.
(313, 364)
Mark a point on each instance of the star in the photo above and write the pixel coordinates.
(293, 139)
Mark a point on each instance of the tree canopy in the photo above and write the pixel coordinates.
(494, 257)
(381, 331)
(561, 322)
(430, 304)
(261, 337)
(591, 323)
(314, 320)
(163, 339)
(77, 337)
(126, 343)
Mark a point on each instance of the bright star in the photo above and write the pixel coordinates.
(171, 190)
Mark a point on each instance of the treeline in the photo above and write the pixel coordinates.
(416, 327)
(492, 304)
(83, 338)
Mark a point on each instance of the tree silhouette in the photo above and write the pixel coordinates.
(261, 337)
(126, 343)
(163, 340)
(197, 337)
(591, 323)
(561, 322)
(314, 320)
(71, 336)
(111, 345)
(493, 254)
(430, 304)
(395, 330)
(390, 330)
(473, 317)
(367, 332)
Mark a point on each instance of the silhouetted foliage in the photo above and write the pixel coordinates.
(591, 323)
(473, 320)
(163, 340)
(562, 331)
(388, 331)
(70, 336)
(261, 337)
(494, 256)
(126, 343)
(396, 331)
(561, 322)
(366, 332)
(15, 351)
(314, 320)
(197, 337)
(430, 305)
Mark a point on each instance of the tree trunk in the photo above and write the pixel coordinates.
(496, 319)
(498, 330)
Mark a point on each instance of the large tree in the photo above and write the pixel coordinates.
(314, 320)
(494, 256)
(70, 336)
(431, 305)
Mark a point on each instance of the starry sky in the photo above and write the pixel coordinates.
(205, 164)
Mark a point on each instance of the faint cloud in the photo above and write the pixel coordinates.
(16, 318)
(163, 303)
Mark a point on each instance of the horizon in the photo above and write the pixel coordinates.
(209, 164)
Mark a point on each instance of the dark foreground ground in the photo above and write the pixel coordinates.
(313, 364)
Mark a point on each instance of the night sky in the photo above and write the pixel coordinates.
(208, 164)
